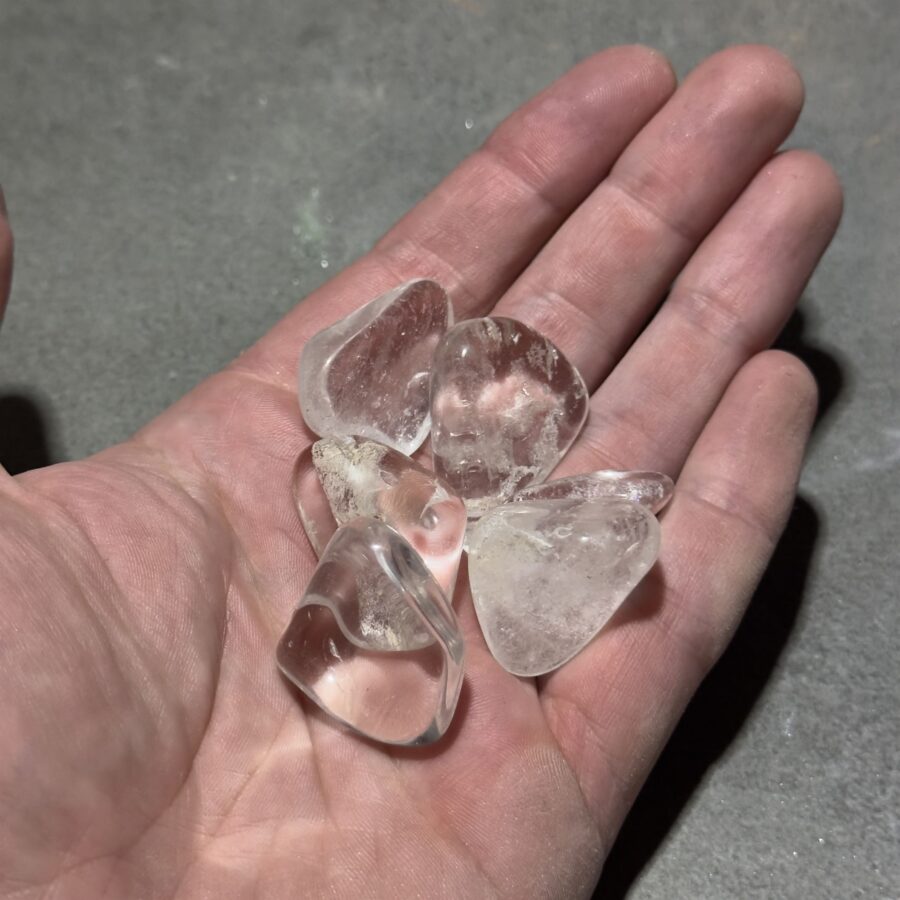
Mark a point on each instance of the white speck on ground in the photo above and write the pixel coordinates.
(166, 62)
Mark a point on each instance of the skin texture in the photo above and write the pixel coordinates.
(149, 746)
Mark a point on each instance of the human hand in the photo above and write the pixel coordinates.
(150, 747)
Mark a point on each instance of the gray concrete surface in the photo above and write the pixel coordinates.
(179, 173)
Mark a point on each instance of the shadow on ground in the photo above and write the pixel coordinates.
(830, 370)
(25, 429)
(726, 698)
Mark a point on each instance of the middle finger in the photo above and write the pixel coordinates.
(595, 283)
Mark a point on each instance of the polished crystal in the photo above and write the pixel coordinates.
(368, 374)
(505, 405)
(339, 479)
(374, 641)
(547, 575)
(650, 489)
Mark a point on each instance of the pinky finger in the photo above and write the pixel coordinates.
(736, 492)
(613, 707)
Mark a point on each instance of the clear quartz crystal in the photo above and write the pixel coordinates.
(369, 373)
(340, 479)
(374, 641)
(650, 489)
(505, 406)
(547, 575)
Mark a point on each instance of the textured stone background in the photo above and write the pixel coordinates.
(178, 174)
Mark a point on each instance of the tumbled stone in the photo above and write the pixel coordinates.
(650, 489)
(369, 373)
(339, 479)
(547, 575)
(374, 641)
(505, 406)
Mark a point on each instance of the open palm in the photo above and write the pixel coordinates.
(150, 748)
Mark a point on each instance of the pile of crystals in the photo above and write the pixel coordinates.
(374, 640)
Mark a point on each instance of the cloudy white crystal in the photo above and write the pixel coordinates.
(547, 575)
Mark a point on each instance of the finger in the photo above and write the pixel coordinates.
(6, 255)
(479, 228)
(613, 707)
(601, 276)
(729, 303)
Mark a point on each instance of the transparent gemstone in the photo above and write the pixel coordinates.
(546, 576)
(374, 641)
(369, 373)
(340, 479)
(650, 489)
(505, 406)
